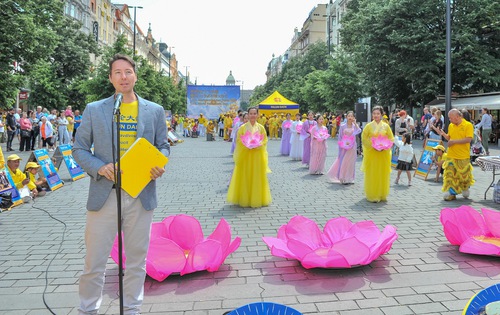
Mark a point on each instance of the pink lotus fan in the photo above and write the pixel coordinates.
(321, 134)
(177, 245)
(341, 244)
(347, 142)
(381, 142)
(475, 233)
(252, 140)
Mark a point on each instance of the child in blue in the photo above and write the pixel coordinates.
(405, 157)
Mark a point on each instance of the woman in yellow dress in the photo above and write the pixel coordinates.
(249, 185)
(376, 164)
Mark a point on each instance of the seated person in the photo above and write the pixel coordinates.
(39, 184)
(438, 160)
(211, 131)
(194, 131)
(18, 177)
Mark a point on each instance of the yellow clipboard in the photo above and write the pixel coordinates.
(136, 164)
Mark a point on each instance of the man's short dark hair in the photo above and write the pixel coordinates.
(121, 57)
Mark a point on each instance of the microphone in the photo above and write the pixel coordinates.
(118, 102)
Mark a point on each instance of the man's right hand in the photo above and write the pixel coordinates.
(107, 171)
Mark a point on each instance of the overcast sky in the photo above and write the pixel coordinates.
(214, 37)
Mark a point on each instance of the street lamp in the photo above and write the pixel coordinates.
(447, 91)
(169, 58)
(187, 76)
(135, 10)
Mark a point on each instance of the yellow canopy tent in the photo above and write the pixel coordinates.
(277, 104)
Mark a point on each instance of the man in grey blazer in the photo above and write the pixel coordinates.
(139, 118)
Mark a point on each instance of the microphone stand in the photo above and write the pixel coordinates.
(118, 188)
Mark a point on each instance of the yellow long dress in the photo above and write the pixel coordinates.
(249, 185)
(376, 164)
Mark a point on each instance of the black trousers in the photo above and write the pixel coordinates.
(10, 137)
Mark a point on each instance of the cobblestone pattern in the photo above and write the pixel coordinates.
(422, 274)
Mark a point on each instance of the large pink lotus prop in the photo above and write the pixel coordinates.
(287, 124)
(475, 233)
(347, 142)
(177, 245)
(321, 134)
(342, 244)
(298, 128)
(381, 142)
(252, 140)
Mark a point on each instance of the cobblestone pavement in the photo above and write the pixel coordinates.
(422, 273)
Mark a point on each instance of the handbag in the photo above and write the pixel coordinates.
(25, 133)
(6, 200)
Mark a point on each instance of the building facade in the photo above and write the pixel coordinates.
(336, 9)
(313, 30)
(80, 11)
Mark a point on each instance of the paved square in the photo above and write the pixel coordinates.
(422, 273)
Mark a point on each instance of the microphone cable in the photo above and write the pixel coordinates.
(55, 255)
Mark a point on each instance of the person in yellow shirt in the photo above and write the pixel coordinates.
(457, 176)
(18, 177)
(202, 123)
(228, 122)
(263, 121)
(210, 131)
(304, 117)
(71, 125)
(273, 130)
(35, 184)
(439, 158)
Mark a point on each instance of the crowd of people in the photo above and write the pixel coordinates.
(304, 139)
(36, 129)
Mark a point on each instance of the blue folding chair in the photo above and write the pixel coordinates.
(479, 301)
(264, 308)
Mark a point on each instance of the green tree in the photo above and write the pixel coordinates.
(29, 34)
(55, 83)
(400, 47)
(151, 84)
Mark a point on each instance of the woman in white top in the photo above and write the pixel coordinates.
(296, 145)
(405, 158)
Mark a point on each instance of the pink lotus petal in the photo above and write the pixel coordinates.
(461, 223)
(365, 231)
(336, 228)
(206, 255)
(384, 243)
(353, 250)
(298, 128)
(222, 234)
(185, 231)
(481, 246)
(287, 125)
(492, 220)
(324, 258)
(164, 258)
(305, 231)
(279, 247)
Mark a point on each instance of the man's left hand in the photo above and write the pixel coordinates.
(156, 172)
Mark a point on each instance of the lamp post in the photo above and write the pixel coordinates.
(135, 10)
(187, 76)
(447, 91)
(169, 58)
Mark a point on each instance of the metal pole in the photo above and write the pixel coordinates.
(135, 9)
(448, 63)
(135, 13)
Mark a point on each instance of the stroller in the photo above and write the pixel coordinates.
(476, 147)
